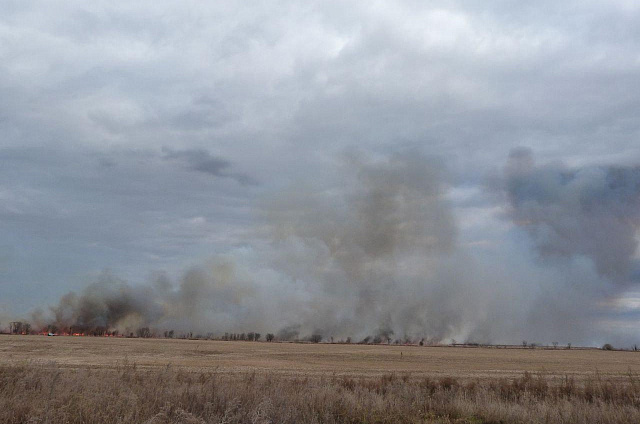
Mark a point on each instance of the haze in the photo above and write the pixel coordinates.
(445, 170)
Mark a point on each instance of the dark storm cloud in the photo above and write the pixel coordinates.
(591, 211)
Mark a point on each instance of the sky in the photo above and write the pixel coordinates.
(447, 169)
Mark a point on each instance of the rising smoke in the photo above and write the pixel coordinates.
(591, 211)
(379, 255)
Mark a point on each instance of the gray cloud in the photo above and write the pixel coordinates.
(202, 161)
(276, 93)
(590, 211)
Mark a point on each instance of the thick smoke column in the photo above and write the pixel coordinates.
(378, 255)
(592, 211)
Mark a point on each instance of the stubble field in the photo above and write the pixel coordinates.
(118, 380)
(314, 359)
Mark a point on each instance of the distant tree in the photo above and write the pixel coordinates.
(524, 343)
(555, 345)
(568, 345)
(348, 340)
(377, 340)
(251, 336)
(635, 347)
(270, 337)
(607, 346)
(421, 342)
(316, 338)
(256, 336)
(143, 332)
(15, 327)
(366, 340)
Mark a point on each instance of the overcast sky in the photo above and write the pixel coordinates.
(148, 138)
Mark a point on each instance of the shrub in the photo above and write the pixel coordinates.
(315, 338)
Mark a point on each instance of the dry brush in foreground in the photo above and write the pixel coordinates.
(128, 394)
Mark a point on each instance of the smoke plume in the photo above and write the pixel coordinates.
(591, 211)
(377, 254)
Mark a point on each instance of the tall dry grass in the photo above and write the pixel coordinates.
(44, 394)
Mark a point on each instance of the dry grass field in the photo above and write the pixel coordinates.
(314, 359)
(118, 380)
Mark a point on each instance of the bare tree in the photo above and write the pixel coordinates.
(270, 337)
(16, 327)
(143, 332)
(316, 338)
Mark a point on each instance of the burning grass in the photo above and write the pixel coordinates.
(42, 394)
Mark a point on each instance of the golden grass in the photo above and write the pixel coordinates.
(102, 380)
(314, 359)
(128, 394)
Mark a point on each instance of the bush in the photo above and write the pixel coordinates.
(315, 338)
(607, 346)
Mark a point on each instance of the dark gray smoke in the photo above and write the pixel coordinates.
(377, 254)
(372, 252)
(209, 298)
(591, 211)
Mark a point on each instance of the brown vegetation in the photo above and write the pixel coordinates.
(129, 394)
(117, 380)
(315, 359)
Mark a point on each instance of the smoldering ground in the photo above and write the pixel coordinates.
(378, 253)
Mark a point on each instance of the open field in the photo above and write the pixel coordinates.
(314, 359)
(151, 381)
